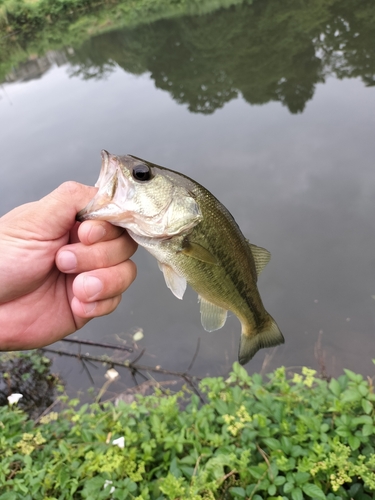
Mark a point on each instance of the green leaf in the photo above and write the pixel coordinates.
(324, 428)
(367, 406)
(279, 480)
(63, 448)
(296, 494)
(301, 477)
(363, 419)
(335, 387)
(351, 395)
(355, 377)
(354, 442)
(354, 489)
(297, 451)
(188, 471)
(272, 490)
(286, 444)
(367, 430)
(237, 492)
(174, 469)
(257, 378)
(241, 372)
(10, 495)
(343, 432)
(272, 443)
(288, 487)
(256, 471)
(363, 389)
(313, 491)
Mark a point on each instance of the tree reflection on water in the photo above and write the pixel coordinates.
(265, 52)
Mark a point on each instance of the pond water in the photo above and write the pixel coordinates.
(273, 112)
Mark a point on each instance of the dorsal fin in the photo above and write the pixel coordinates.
(261, 257)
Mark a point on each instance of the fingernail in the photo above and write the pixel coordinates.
(88, 307)
(92, 286)
(96, 233)
(67, 261)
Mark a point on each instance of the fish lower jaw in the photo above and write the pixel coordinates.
(146, 238)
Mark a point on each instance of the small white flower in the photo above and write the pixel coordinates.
(138, 335)
(14, 398)
(120, 442)
(111, 374)
(108, 483)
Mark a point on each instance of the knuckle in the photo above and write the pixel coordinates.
(69, 188)
(101, 256)
(111, 304)
(132, 268)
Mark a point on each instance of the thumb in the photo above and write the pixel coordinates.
(52, 216)
(59, 208)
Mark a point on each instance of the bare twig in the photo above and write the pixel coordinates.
(195, 356)
(222, 479)
(320, 357)
(129, 395)
(130, 365)
(12, 33)
(267, 360)
(190, 382)
(87, 370)
(265, 457)
(98, 344)
(197, 465)
(257, 485)
(139, 356)
(47, 410)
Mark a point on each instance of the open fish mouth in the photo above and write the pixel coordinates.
(151, 206)
(113, 190)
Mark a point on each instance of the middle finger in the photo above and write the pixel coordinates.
(78, 258)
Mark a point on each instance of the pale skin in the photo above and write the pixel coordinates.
(57, 274)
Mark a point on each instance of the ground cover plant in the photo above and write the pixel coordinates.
(275, 438)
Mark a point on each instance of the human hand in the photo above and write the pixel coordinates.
(55, 273)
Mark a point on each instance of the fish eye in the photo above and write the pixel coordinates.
(142, 172)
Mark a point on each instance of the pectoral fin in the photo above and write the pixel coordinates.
(175, 282)
(197, 251)
(261, 257)
(212, 317)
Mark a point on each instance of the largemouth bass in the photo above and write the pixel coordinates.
(194, 239)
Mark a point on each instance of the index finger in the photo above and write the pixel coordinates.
(93, 231)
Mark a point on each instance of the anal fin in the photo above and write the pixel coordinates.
(212, 317)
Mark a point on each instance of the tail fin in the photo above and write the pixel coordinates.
(250, 343)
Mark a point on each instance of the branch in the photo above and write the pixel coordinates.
(130, 365)
(98, 344)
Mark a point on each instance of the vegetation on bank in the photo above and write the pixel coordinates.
(281, 438)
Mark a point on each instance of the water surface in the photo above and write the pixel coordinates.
(275, 117)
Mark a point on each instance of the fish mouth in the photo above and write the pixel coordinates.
(113, 189)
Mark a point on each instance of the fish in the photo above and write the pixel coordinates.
(194, 239)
